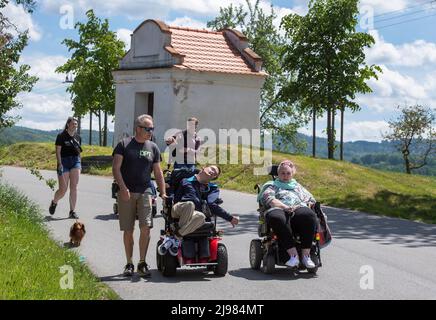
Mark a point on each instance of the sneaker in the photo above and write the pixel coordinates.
(308, 263)
(73, 215)
(163, 248)
(52, 207)
(143, 270)
(128, 270)
(293, 262)
(174, 249)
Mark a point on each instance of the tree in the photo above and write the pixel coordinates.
(13, 79)
(94, 57)
(276, 114)
(414, 135)
(326, 55)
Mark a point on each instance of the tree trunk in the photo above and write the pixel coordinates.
(105, 129)
(99, 128)
(333, 134)
(314, 134)
(79, 124)
(90, 128)
(407, 162)
(329, 132)
(342, 133)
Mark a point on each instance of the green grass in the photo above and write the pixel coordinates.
(30, 261)
(334, 183)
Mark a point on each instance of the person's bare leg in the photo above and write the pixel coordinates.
(292, 252)
(74, 181)
(144, 240)
(63, 187)
(128, 245)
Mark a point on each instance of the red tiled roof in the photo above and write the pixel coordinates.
(208, 51)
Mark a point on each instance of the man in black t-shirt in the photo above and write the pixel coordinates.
(134, 159)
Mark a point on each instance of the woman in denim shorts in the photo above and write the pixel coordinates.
(68, 149)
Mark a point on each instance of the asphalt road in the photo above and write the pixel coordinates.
(400, 254)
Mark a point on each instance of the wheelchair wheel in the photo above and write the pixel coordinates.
(255, 254)
(158, 256)
(268, 263)
(169, 265)
(222, 260)
(115, 208)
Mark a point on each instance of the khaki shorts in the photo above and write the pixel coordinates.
(138, 205)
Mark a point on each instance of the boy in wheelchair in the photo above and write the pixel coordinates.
(288, 209)
(188, 215)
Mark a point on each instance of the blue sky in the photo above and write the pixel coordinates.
(406, 52)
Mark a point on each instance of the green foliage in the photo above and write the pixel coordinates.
(31, 166)
(325, 55)
(13, 79)
(93, 59)
(413, 133)
(276, 115)
(30, 260)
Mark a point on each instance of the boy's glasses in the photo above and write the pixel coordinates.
(147, 129)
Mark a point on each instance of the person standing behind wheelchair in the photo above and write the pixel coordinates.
(68, 149)
(184, 146)
(290, 212)
(134, 159)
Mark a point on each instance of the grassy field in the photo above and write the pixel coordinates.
(335, 183)
(30, 261)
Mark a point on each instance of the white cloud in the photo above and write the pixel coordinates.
(124, 35)
(23, 20)
(187, 22)
(353, 130)
(365, 130)
(414, 54)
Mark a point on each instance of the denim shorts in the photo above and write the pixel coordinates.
(69, 163)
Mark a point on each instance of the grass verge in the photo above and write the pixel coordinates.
(30, 261)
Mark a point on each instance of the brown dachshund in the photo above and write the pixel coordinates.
(77, 232)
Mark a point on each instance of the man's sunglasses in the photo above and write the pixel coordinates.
(147, 129)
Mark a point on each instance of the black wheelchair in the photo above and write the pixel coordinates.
(115, 188)
(265, 253)
(168, 262)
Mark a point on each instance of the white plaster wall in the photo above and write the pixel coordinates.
(219, 101)
(128, 84)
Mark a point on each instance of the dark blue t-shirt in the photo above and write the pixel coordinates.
(138, 160)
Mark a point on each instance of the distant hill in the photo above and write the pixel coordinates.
(378, 155)
(21, 134)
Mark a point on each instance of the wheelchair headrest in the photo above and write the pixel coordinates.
(272, 171)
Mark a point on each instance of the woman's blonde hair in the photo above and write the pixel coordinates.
(287, 163)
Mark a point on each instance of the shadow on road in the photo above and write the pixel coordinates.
(347, 224)
(120, 277)
(279, 274)
(183, 275)
(106, 217)
(248, 223)
(50, 218)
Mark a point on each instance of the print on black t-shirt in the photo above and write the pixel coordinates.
(138, 160)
